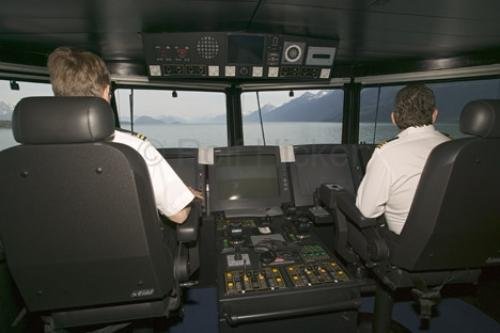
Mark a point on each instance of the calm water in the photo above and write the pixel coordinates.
(196, 135)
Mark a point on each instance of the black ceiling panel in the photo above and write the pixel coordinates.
(386, 30)
(367, 30)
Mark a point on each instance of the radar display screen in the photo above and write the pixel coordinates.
(246, 177)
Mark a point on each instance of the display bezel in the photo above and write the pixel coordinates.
(218, 204)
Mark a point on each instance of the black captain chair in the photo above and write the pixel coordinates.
(79, 224)
(453, 227)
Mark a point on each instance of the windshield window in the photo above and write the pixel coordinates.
(12, 92)
(377, 104)
(292, 117)
(186, 119)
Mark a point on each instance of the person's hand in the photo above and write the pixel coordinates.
(197, 194)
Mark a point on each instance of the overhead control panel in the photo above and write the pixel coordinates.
(237, 56)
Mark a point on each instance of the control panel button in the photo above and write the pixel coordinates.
(155, 70)
(213, 71)
(273, 71)
(325, 73)
(243, 71)
(182, 52)
(230, 71)
(293, 53)
(257, 71)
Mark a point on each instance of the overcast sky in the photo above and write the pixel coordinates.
(11, 97)
(156, 103)
(190, 104)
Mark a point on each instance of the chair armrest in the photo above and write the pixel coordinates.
(335, 196)
(188, 231)
(187, 260)
(354, 231)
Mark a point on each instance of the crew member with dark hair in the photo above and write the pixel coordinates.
(394, 170)
(82, 73)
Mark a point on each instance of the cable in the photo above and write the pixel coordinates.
(376, 115)
(260, 117)
(131, 103)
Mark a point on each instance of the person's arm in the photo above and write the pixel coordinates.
(181, 216)
(373, 192)
(172, 196)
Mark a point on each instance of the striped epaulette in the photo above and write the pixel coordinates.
(137, 135)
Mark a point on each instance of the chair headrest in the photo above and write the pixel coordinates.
(481, 118)
(45, 120)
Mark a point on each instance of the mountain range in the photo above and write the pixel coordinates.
(5, 111)
(308, 107)
(325, 106)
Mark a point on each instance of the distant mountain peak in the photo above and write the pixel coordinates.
(4, 107)
(147, 120)
(5, 111)
(309, 107)
(267, 108)
(308, 94)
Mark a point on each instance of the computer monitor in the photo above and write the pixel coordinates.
(247, 178)
(184, 161)
(319, 164)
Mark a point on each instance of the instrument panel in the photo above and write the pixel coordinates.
(273, 254)
(238, 55)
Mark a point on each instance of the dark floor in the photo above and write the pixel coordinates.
(487, 293)
(452, 315)
(463, 309)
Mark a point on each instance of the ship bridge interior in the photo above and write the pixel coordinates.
(272, 110)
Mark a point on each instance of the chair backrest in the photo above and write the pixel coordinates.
(454, 220)
(79, 222)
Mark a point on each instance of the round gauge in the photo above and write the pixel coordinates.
(207, 47)
(293, 53)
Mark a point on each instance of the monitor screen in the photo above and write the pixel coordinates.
(184, 161)
(246, 177)
(246, 49)
(312, 170)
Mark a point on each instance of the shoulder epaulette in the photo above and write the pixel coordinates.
(140, 136)
(379, 145)
(137, 135)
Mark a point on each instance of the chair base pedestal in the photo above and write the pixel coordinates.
(383, 310)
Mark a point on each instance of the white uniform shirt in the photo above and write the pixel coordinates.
(393, 173)
(171, 194)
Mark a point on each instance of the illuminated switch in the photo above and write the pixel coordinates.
(213, 70)
(273, 71)
(257, 71)
(155, 70)
(325, 73)
(230, 70)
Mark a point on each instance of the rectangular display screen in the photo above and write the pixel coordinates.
(321, 56)
(316, 169)
(246, 177)
(246, 50)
